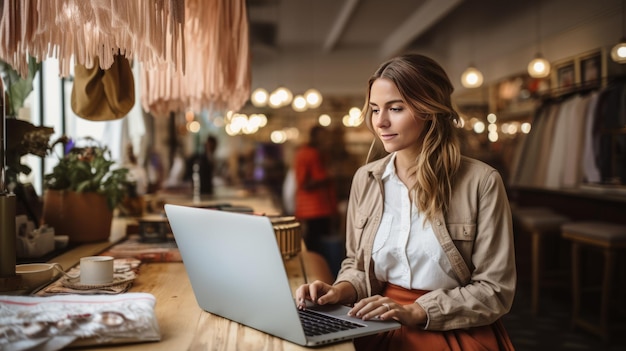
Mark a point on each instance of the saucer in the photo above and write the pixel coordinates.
(118, 279)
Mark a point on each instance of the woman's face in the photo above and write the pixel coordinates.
(392, 120)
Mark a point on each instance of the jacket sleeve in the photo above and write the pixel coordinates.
(490, 290)
(353, 266)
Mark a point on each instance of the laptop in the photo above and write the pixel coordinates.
(237, 272)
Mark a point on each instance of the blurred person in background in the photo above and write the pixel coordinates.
(205, 163)
(315, 197)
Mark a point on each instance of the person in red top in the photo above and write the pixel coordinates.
(316, 200)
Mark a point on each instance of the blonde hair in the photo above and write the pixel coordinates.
(426, 89)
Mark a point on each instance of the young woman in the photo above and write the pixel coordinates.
(429, 238)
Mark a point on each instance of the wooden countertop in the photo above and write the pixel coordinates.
(183, 324)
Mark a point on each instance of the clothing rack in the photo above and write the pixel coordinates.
(563, 93)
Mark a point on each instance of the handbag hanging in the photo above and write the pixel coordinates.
(103, 95)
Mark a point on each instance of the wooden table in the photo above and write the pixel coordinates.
(184, 325)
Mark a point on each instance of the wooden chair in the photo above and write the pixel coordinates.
(609, 238)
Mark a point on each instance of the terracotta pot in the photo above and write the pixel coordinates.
(84, 217)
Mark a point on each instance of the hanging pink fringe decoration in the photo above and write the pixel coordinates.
(217, 61)
(150, 32)
(193, 53)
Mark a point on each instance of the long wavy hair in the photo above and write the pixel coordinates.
(426, 89)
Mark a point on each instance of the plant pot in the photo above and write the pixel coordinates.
(84, 217)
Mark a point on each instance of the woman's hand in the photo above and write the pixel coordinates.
(385, 308)
(322, 293)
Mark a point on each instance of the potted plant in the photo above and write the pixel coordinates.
(82, 191)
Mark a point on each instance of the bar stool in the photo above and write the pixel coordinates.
(608, 237)
(540, 223)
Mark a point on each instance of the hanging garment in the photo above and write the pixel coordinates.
(572, 162)
(558, 146)
(610, 146)
(591, 172)
(544, 145)
(528, 159)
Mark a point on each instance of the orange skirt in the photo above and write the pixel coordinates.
(489, 337)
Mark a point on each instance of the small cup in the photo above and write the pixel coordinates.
(35, 274)
(96, 270)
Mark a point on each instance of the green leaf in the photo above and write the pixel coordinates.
(19, 88)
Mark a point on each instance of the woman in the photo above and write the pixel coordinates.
(429, 238)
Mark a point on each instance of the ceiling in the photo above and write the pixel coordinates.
(325, 27)
(334, 45)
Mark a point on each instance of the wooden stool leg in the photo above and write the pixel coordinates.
(606, 293)
(535, 271)
(575, 282)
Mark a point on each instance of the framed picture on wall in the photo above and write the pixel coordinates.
(591, 69)
(566, 75)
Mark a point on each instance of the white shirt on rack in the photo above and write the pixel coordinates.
(406, 251)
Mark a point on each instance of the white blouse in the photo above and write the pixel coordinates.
(406, 251)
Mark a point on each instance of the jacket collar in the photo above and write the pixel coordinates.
(377, 168)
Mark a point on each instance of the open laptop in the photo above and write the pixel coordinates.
(237, 272)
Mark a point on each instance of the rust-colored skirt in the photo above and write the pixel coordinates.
(489, 337)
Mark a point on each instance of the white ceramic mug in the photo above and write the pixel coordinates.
(96, 270)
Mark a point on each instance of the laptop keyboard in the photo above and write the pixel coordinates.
(319, 324)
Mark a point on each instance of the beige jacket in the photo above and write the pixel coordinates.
(476, 234)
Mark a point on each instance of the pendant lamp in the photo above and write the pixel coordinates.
(618, 53)
(539, 67)
(472, 77)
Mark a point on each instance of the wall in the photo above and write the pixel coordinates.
(503, 46)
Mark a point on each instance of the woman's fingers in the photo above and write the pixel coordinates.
(371, 307)
(385, 308)
(376, 307)
(312, 292)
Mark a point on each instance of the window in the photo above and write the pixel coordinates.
(49, 105)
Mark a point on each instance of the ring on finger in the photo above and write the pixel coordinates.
(387, 305)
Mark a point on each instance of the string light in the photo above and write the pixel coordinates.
(299, 104)
(259, 97)
(313, 98)
(282, 96)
